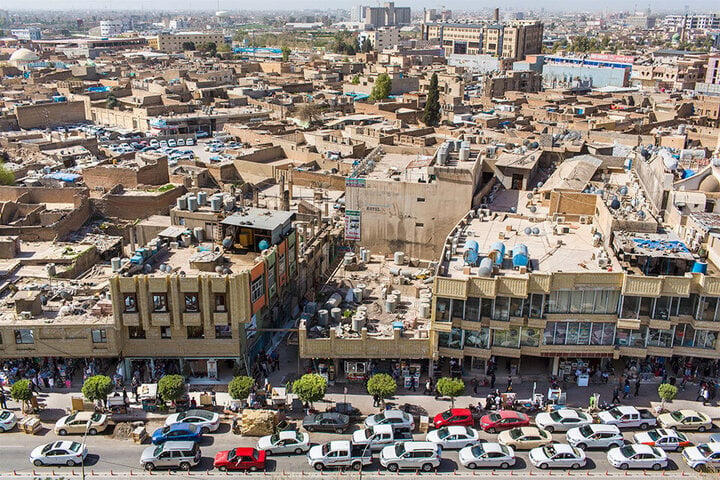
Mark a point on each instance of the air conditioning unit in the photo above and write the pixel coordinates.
(559, 219)
(585, 220)
(26, 315)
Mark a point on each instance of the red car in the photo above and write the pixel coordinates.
(503, 420)
(242, 458)
(461, 417)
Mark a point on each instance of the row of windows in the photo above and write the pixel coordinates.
(579, 302)
(26, 336)
(160, 303)
(577, 334)
(223, 332)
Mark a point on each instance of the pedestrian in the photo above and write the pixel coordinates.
(51, 383)
(428, 387)
(3, 398)
(126, 400)
(616, 395)
(509, 384)
(474, 382)
(413, 386)
(435, 392)
(626, 390)
(492, 380)
(213, 397)
(376, 400)
(637, 387)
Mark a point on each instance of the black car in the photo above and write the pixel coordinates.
(326, 422)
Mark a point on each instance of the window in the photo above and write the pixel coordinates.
(220, 302)
(420, 199)
(451, 339)
(458, 309)
(165, 332)
(472, 309)
(257, 289)
(130, 301)
(507, 338)
(707, 309)
(99, 335)
(160, 303)
(24, 336)
(192, 304)
(195, 332)
(660, 338)
(687, 336)
(630, 338)
(579, 333)
(501, 310)
(223, 331)
(281, 264)
(529, 337)
(417, 225)
(536, 305)
(136, 332)
(271, 276)
(479, 339)
(442, 309)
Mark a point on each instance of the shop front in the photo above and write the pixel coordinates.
(405, 372)
(582, 371)
(195, 370)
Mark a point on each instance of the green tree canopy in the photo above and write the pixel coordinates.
(20, 391)
(97, 387)
(344, 42)
(366, 45)
(431, 114)
(7, 176)
(188, 46)
(171, 387)
(667, 392)
(285, 53)
(382, 88)
(239, 387)
(451, 387)
(308, 112)
(382, 385)
(310, 387)
(111, 102)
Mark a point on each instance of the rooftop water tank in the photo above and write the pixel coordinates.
(192, 203)
(263, 245)
(202, 198)
(497, 253)
(182, 203)
(471, 252)
(216, 203)
(520, 256)
(227, 242)
(699, 267)
(486, 267)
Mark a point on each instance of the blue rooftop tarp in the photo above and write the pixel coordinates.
(276, 51)
(64, 177)
(98, 89)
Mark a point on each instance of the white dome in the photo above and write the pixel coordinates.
(24, 55)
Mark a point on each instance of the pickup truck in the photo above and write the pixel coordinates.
(378, 437)
(338, 454)
(628, 417)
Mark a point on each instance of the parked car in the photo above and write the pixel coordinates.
(8, 420)
(664, 438)
(182, 455)
(524, 438)
(596, 435)
(326, 422)
(201, 134)
(397, 418)
(562, 420)
(487, 455)
(453, 437)
(189, 142)
(80, 422)
(628, 417)
(637, 456)
(557, 455)
(172, 143)
(178, 432)
(702, 455)
(59, 453)
(288, 441)
(205, 420)
(180, 142)
(378, 437)
(455, 416)
(685, 420)
(503, 420)
(241, 458)
(339, 454)
(413, 455)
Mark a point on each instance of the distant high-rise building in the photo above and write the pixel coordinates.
(357, 12)
(710, 21)
(387, 16)
(111, 28)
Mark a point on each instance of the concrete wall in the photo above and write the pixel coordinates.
(107, 176)
(142, 205)
(50, 114)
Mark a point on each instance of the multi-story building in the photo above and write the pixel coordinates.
(521, 38)
(675, 74)
(712, 73)
(709, 21)
(173, 42)
(382, 38)
(455, 38)
(514, 40)
(27, 34)
(387, 15)
(111, 28)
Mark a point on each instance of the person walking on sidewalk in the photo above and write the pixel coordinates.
(616, 395)
(428, 387)
(626, 390)
(637, 386)
(413, 386)
(474, 383)
(3, 398)
(509, 384)
(492, 380)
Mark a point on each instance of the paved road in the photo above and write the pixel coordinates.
(120, 456)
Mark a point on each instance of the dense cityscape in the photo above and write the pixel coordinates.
(359, 241)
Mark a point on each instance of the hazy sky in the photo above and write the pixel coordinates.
(587, 5)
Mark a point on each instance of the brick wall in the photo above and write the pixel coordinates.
(128, 206)
(50, 114)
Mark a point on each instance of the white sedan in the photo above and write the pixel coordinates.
(206, 421)
(8, 420)
(487, 455)
(453, 437)
(59, 453)
(557, 455)
(562, 420)
(288, 441)
(637, 456)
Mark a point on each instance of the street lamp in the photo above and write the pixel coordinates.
(84, 446)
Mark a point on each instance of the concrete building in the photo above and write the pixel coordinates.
(27, 34)
(709, 21)
(585, 73)
(111, 28)
(712, 73)
(382, 38)
(455, 38)
(387, 15)
(514, 40)
(173, 42)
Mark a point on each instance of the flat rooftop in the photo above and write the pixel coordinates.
(201, 259)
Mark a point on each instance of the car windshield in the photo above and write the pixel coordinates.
(555, 416)
(704, 450)
(677, 416)
(325, 449)
(446, 415)
(232, 455)
(443, 433)
(515, 433)
(274, 439)
(494, 417)
(478, 450)
(654, 435)
(158, 451)
(47, 447)
(96, 417)
(71, 418)
(4, 415)
(399, 449)
(616, 413)
(165, 430)
(549, 450)
(379, 417)
(586, 431)
(75, 446)
(627, 451)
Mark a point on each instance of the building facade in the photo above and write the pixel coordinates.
(173, 42)
(387, 15)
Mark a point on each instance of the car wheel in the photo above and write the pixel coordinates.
(92, 431)
(575, 466)
(504, 465)
(543, 466)
(298, 451)
(624, 466)
(702, 428)
(149, 467)
(205, 430)
(70, 463)
(698, 468)
(222, 469)
(657, 466)
(185, 466)
(310, 429)
(357, 466)
(393, 467)
(471, 466)
(616, 445)
(582, 446)
(38, 463)
(339, 430)
(253, 468)
(644, 426)
(62, 432)
(319, 467)
(427, 467)
(492, 430)
(550, 429)
(2, 429)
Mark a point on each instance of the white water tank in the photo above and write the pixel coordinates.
(202, 198)
(192, 203)
(198, 233)
(115, 263)
(358, 295)
(399, 258)
(357, 323)
(336, 314)
(182, 203)
(425, 309)
(323, 317)
(390, 304)
(349, 258)
(216, 203)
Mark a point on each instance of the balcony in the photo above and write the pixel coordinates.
(499, 324)
(191, 319)
(158, 319)
(131, 319)
(659, 324)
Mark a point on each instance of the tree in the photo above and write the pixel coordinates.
(21, 392)
(366, 45)
(111, 102)
(224, 48)
(431, 114)
(239, 387)
(188, 46)
(344, 42)
(7, 176)
(310, 388)
(308, 112)
(355, 80)
(383, 86)
(171, 388)
(285, 53)
(667, 393)
(451, 387)
(381, 385)
(97, 387)
(209, 48)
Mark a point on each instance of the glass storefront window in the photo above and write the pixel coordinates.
(630, 307)
(529, 337)
(583, 301)
(472, 309)
(516, 307)
(660, 338)
(606, 301)
(573, 330)
(663, 308)
(480, 339)
(579, 333)
(451, 339)
(687, 336)
(442, 307)
(637, 337)
(486, 307)
(602, 334)
(705, 339)
(507, 338)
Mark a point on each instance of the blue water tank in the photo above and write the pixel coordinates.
(615, 203)
(699, 267)
(498, 257)
(471, 252)
(263, 245)
(520, 256)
